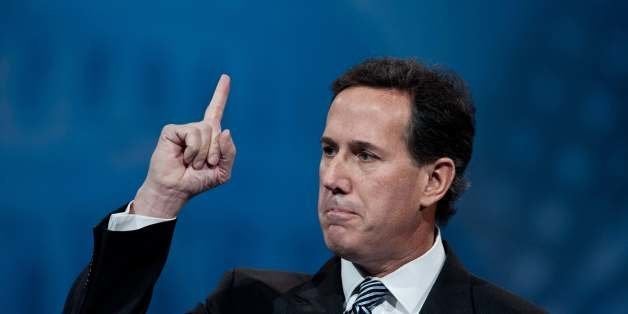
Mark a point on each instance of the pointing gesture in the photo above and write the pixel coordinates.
(216, 106)
(189, 159)
(213, 116)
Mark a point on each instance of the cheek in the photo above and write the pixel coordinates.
(320, 183)
(390, 197)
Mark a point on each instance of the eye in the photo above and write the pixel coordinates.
(366, 156)
(329, 150)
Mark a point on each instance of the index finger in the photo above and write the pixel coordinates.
(219, 100)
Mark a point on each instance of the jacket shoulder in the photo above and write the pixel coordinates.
(244, 290)
(489, 298)
(279, 281)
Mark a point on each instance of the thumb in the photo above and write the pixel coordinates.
(227, 151)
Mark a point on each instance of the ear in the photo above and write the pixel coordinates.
(440, 176)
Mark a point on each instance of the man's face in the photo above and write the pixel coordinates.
(370, 188)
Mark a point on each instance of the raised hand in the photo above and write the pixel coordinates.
(189, 159)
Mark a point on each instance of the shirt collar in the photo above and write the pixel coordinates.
(410, 283)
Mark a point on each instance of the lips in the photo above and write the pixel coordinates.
(339, 210)
(339, 215)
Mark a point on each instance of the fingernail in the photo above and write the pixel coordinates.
(198, 164)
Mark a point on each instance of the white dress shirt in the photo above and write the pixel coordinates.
(129, 222)
(409, 285)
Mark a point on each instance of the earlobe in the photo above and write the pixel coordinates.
(441, 174)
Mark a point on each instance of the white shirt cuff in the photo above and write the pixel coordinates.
(130, 222)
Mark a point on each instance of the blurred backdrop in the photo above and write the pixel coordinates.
(85, 88)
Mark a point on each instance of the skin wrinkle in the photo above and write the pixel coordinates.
(386, 227)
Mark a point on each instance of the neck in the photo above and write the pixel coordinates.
(421, 242)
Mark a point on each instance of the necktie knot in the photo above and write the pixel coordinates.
(371, 292)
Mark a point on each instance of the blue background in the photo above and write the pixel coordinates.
(85, 89)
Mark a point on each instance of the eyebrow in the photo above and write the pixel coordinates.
(327, 140)
(354, 145)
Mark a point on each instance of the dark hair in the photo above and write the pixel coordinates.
(443, 116)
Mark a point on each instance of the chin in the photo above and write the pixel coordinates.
(338, 241)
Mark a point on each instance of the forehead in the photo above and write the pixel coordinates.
(369, 114)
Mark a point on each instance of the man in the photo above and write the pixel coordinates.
(394, 150)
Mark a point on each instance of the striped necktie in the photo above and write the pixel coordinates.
(371, 292)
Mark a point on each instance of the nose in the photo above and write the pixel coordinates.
(334, 175)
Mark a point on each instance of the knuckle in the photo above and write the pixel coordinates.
(167, 128)
(206, 128)
(192, 127)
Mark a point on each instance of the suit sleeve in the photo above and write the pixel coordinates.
(122, 271)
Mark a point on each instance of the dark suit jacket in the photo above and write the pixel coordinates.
(125, 266)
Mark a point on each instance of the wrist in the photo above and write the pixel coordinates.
(158, 202)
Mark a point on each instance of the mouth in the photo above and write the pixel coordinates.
(337, 215)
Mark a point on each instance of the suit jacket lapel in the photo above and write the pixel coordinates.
(322, 294)
(451, 292)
